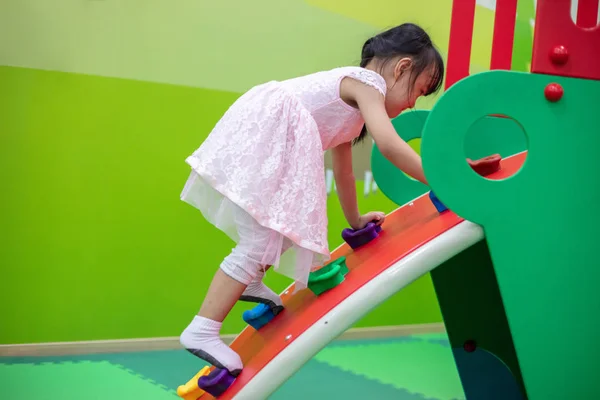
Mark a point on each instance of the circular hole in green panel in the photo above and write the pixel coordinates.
(495, 134)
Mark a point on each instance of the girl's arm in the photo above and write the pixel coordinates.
(372, 107)
(345, 183)
(346, 188)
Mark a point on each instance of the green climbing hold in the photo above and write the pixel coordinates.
(328, 277)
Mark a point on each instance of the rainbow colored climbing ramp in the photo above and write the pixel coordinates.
(415, 239)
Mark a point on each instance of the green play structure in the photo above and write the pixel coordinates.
(521, 308)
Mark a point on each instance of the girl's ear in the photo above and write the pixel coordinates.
(403, 65)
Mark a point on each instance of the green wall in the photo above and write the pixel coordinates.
(95, 243)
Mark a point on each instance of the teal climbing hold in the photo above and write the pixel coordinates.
(259, 316)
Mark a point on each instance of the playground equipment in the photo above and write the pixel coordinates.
(520, 302)
(537, 290)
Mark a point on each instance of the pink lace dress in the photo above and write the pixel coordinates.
(265, 159)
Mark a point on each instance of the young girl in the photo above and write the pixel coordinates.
(260, 178)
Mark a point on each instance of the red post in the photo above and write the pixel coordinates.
(461, 39)
(504, 34)
(587, 13)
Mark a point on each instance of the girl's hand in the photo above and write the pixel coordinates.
(374, 216)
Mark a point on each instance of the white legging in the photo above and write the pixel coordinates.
(257, 247)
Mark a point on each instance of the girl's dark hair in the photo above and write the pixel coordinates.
(406, 40)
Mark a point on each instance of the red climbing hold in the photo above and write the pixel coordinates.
(559, 55)
(487, 165)
(553, 92)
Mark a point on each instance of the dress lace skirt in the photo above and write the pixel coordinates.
(285, 256)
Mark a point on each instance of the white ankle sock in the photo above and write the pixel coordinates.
(201, 338)
(258, 292)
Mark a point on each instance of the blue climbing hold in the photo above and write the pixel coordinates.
(259, 316)
(437, 203)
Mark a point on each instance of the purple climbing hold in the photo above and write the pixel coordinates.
(216, 382)
(357, 238)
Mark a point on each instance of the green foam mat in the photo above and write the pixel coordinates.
(75, 381)
(423, 367)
